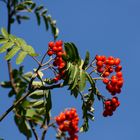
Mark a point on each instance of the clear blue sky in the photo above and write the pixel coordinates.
(106, 27)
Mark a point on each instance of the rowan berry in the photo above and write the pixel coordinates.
(117, 61)
(119, 74)
(99, 63)
(98, 58)
(51, 44)
(59, 43)
(49, 52)
(105, 80)
(118, 68)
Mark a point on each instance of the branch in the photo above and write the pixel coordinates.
(14, 105)
(10, 71)
(33, 130)
(45, 130)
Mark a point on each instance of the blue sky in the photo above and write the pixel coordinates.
(105, 27)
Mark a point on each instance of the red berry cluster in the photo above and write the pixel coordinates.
(106, 66)
(68, 121)
(110, 106)
(56, 48)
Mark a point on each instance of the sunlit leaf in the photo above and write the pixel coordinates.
(12, 52)
(4, 32)
(6, 46)
(21, 57)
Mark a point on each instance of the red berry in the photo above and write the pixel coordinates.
(51, 44)
(59, 43)
(54, 48)
(50, 52)
(111, 62)
(118, 68)
(106, 74)
(59, 54)
(98, 58)
(105, 80)
(117, 61)
(100, 70)
(110, 58)
(99, 63)
(119, 74)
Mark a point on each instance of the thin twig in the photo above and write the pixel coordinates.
(33, 130)
(36, 60)
(47, 62)
(45, 130)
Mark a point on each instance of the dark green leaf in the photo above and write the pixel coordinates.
(21, 7)
(82, 80)
(44, 12)
(33, 6)
(46, 22)
(86, 61)
(39, 8)
(38, 18)
(24, 17)
(23, 126)
(91, 81)
(6, 84)
(72, 53)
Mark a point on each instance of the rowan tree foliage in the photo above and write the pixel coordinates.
(32, 90)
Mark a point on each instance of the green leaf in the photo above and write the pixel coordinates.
(2, 40)
(90, 116)
(76, 79)
(24, 17)
(82, 80)
(30, 113)
(33, 6)
(38, 104)
(25, 104)
(6, 46)
(46, 22)
(21, 7)
(48, 105)
(44, 12)
(6, 84)
(48, 99)
(30, 50)
(39, 8)
(84, 127)
(21, 57)
(72, 53)
(38, 18)
(20, 42)
(86, 61)
(4, 32)
(23, 126)
(91, 81)
(37, 94)
(12, 52)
